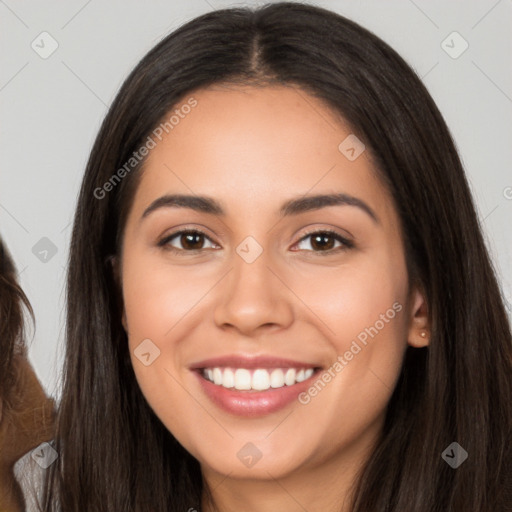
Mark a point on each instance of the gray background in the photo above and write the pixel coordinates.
(51, 110)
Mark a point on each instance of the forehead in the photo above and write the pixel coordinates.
(249, 146)
(275, 122)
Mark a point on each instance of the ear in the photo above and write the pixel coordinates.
(419, 328)
(116, 273)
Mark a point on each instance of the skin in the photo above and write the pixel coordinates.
(252, 149)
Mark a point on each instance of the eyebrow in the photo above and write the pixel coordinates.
(293, 206)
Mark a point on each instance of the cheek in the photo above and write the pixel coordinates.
(159, 303)
(350, 299)
(361, 312)
(156, 297)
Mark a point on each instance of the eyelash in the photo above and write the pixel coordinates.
(346, 244)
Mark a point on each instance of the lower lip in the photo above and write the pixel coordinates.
(252, 403)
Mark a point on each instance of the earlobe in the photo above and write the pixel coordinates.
(419, 329)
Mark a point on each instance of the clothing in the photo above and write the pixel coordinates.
(30, 475)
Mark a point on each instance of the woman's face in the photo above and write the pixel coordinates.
(262, 292)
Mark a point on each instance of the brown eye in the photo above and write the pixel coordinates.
(188, 240)
(191, 240)
(324, 241)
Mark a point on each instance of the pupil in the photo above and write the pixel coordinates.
(322, 243)
(190, 240)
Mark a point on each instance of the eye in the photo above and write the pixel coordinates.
(189, 240)
(324, 241)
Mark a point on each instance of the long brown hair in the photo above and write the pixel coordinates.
(13, 302)
(27, 414)
(115, 455)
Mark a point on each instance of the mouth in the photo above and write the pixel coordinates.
(259, 379)
(253, 387)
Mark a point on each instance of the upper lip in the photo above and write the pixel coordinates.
(244, 361)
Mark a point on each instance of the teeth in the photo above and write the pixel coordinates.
(289, 378)
(277, 379)
(242, 379)
(259, 379)
(228, 379)
(217, 376)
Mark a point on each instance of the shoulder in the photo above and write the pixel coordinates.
(30, 473)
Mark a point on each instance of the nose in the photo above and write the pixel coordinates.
(253, 297)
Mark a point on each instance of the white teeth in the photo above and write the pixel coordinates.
(228, 379)
(289, 378)
(259, 379)
(242, 379)
(277, 378)
(217, 376)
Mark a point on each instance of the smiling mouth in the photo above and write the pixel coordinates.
(256, 379)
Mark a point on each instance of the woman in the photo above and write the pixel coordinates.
(26, 414)
(259, 172)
